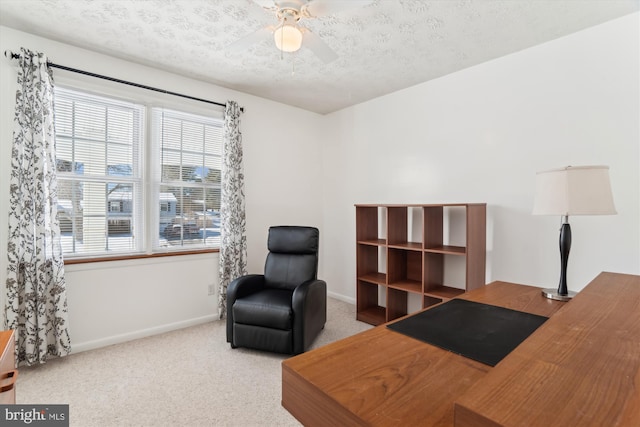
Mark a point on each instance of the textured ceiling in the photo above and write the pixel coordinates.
(383, 46)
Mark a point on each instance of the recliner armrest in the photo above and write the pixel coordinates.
(240, 287)
(309, 303)
(302, 292)
(243, 286)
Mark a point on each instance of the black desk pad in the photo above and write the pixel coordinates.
(481, 332)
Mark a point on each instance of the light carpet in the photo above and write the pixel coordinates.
(189, 377)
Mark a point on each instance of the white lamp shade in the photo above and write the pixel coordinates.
(288, 38)
(579, 190)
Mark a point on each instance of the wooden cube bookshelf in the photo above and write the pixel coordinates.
(413, 267)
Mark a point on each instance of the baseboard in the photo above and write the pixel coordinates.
(118, 339)
(341, 297)
(143, 333)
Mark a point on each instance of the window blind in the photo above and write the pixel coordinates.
(98, 161)
(188, 173)
(122, 190)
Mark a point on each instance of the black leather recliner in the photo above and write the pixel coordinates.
(284, 309)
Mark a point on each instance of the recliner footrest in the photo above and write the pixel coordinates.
(260, 338)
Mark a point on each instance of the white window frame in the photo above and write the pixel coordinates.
(97, 218)
(157, 115)
(151, 204)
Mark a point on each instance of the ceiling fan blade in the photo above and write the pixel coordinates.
(249, 40)
(317, 46)
(316, 8)
(267, 4)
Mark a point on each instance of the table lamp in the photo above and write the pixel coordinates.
(572, 190)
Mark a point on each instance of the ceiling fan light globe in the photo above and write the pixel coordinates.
(288, 38)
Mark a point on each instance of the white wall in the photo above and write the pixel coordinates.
(480, 135)
(114, 301)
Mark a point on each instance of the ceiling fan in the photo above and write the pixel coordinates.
(288, 35)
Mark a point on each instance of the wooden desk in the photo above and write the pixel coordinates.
(381, 377)
(581, 367)
(8, 373)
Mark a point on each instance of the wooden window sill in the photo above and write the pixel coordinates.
(73, 261)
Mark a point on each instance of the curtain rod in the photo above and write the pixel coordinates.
(11, 55)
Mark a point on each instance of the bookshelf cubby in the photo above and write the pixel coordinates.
(404, 249)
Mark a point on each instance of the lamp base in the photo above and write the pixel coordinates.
(553, 294)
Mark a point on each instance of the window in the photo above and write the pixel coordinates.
(98, 143)
(190, 162)
(115, 206)
(125, 190)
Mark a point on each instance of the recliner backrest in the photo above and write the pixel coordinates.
(293, 256)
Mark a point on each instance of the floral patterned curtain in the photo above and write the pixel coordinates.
(36, 303)
(233, 240)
